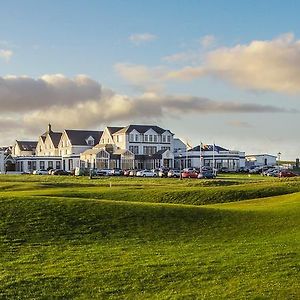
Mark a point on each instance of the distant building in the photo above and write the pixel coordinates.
(260, 160)
(211, 156)
(24, 148)
(133, 146)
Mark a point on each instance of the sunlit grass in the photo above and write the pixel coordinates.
(64, 237)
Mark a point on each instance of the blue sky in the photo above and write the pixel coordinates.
(141, 50)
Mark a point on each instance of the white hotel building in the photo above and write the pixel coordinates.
(130, 147)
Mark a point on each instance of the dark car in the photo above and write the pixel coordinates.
(117, 172)
(206, 175)
(287, 173)
(60, 172)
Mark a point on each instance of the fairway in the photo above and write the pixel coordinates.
(235, 237)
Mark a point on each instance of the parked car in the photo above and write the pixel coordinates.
(117, 172)
(50, 171)
(126, 172)
(133, 173)
(206, 175)
(146, 173)
(103, 172)
(60, 172)
(189, 174)
(174, 173)
(163, 172)
(287, 173)
(224, 170)
(40, 172)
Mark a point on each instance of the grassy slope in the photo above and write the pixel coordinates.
(68, 247)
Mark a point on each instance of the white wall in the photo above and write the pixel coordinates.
(2, 163)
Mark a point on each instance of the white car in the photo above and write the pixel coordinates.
(146, 173)
(40, 172)
(174, 173)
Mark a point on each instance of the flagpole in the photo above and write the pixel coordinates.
(214, 157)
(200, 157)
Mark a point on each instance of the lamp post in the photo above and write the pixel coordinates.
(278, 158)
(180, 156)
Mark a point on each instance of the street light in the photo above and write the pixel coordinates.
(180, 156)
(279, 156)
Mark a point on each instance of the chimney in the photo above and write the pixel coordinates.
(49, 128)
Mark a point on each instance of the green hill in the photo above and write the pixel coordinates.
(67, 238)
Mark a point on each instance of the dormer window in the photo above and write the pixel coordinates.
(90, 141)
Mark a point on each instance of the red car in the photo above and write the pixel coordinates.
(191, 174)
(287, 174)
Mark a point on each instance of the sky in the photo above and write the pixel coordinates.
(224, 72)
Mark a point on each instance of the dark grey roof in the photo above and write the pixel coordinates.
(27, 145)
(208, 148)
(55, 137)
(142, 129)
(158, 154)
(113, 130)
(79, 137)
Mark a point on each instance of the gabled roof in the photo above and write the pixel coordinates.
(142, 129)
(208, 148)
(113, 130)
(27, 145)
(79, 137)
(158, 154)
(55, 137)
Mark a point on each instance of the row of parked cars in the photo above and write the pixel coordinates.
(51, 172)
(277, 172)
(162, 172)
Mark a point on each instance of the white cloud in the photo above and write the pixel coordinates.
(6, 54)
(142, 77)
(140, 38)
(271, 65)
(27, 104)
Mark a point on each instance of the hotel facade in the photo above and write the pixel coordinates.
(129, 147)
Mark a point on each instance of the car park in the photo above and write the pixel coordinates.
(146, 173)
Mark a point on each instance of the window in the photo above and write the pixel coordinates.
(136, 137)
(149, 150)
(58, 164)
(134, 149)
(146, 138)
(117, 139)
(131, 137)
(90, 142)
(42, 165)
(155, 138)
(168, 138)
(150, 138)
(163, 138)
(50, 164)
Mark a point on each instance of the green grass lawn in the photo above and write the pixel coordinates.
(236, 237)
